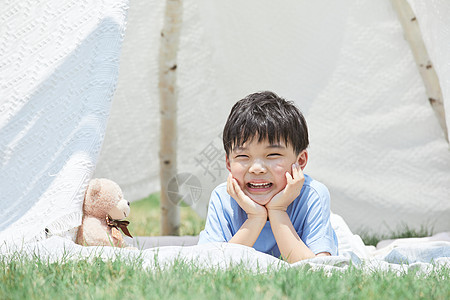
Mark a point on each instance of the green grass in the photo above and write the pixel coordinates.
(97, 279)
(145, 218)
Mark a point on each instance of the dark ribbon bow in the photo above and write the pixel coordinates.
(118, 224)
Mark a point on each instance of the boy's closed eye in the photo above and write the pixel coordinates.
(274, 155)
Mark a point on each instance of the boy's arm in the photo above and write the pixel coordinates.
(249, 232)
(256, 215)
(291, 247)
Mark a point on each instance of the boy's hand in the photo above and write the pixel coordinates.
(252, 208)
(293, 187)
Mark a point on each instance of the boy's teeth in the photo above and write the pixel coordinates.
(259, 185)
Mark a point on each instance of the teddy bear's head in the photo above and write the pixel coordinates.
(104, 197)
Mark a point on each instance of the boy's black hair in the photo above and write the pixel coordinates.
(265, 115)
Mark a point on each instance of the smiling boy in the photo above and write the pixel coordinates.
(267, 202)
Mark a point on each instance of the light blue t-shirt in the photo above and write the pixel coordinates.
(309, 214)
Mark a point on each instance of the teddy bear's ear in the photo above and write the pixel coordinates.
(94, 188)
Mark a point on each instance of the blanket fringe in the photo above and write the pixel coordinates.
(65, 227)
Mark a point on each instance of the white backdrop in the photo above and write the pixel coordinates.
(375, 141)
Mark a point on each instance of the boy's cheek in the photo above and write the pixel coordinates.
(281, 176)
(241, 185)
(282, 168)
(279, 189)
(239, 181)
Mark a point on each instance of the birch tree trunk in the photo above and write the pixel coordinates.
(170, 216)
(427, 72)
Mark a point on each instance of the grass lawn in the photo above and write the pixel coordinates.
(26, 278)
(145, 217)
(96, 279)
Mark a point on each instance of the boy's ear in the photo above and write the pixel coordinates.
(302, 159)
(228, 163)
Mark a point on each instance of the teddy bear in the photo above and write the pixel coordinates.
(103, 209)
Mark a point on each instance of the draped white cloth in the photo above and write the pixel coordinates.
(375, 141)
(58, 70)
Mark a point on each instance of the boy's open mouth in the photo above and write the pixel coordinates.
(259, 185)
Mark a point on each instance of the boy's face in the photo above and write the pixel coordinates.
(260, 168)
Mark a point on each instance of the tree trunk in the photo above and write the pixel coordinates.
(170, 216)
(414, 37)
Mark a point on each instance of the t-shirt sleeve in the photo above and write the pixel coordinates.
(217, 227)
(317, 232)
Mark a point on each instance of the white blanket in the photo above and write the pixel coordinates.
(400, 256)
(422, 258)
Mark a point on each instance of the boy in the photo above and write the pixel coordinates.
(267, 202)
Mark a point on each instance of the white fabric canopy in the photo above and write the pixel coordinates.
(58, 70)
(375, 141)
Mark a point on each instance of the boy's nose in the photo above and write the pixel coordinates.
(257, 167)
